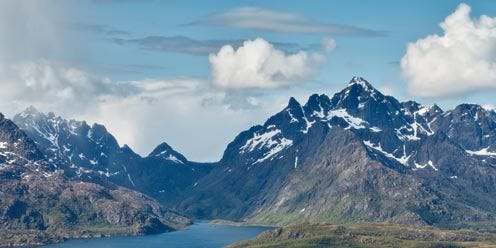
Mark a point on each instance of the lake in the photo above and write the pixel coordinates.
(199, 235)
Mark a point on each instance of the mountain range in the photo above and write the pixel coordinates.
(357, 156)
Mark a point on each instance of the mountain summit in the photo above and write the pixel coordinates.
(356, 156)
(166, 152)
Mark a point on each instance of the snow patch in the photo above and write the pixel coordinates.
(174, 159)
(309, 125)
(293, 119)
(422, 166)
(482, 152)
(268, 140)
(402, 160)
(283, 144)
(354, 122)
(130, 180)
(375, 129)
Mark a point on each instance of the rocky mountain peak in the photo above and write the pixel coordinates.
(358, 94)
(361, 82)
(166, 152)
(293, 103)
(470, 111)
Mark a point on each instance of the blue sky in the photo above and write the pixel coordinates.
(151, 71)
(375, 58)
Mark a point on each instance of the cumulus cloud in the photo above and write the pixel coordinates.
(460, 61)
(52, 86)
(186, 112)
(258, 64)
(279, 21)
(33, 44)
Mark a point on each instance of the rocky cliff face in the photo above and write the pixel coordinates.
(357, 156)
(39, 203)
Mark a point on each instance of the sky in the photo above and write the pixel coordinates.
(196, 73)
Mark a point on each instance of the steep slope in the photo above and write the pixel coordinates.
(358, 156)
(94, 155)
(39, 204)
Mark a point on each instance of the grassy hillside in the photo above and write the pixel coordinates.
(368, 235)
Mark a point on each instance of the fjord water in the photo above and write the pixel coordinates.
(199, 235)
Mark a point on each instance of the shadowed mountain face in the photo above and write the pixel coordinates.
(357, 156)
(92, 154)
(40, 203)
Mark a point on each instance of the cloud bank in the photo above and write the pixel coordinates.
(278, 21)
(182, 44)
(258, 64)
(460, 61)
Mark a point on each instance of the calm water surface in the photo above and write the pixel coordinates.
(200, 234)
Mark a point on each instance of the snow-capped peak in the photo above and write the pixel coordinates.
(366, 86)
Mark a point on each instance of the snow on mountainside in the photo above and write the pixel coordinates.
(15, 147)
(386, 126)
(91, 153)
(84, 148)
(40, 203)
(353, 155)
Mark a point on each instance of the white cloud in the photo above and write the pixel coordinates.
(53, 87)
(328, 44)
(278, 21)
(460, 61)
(258, 64)
(187, 113)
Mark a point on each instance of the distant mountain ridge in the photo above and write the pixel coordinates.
(92, 154)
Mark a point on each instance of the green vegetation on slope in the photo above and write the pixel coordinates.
(368, 235)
